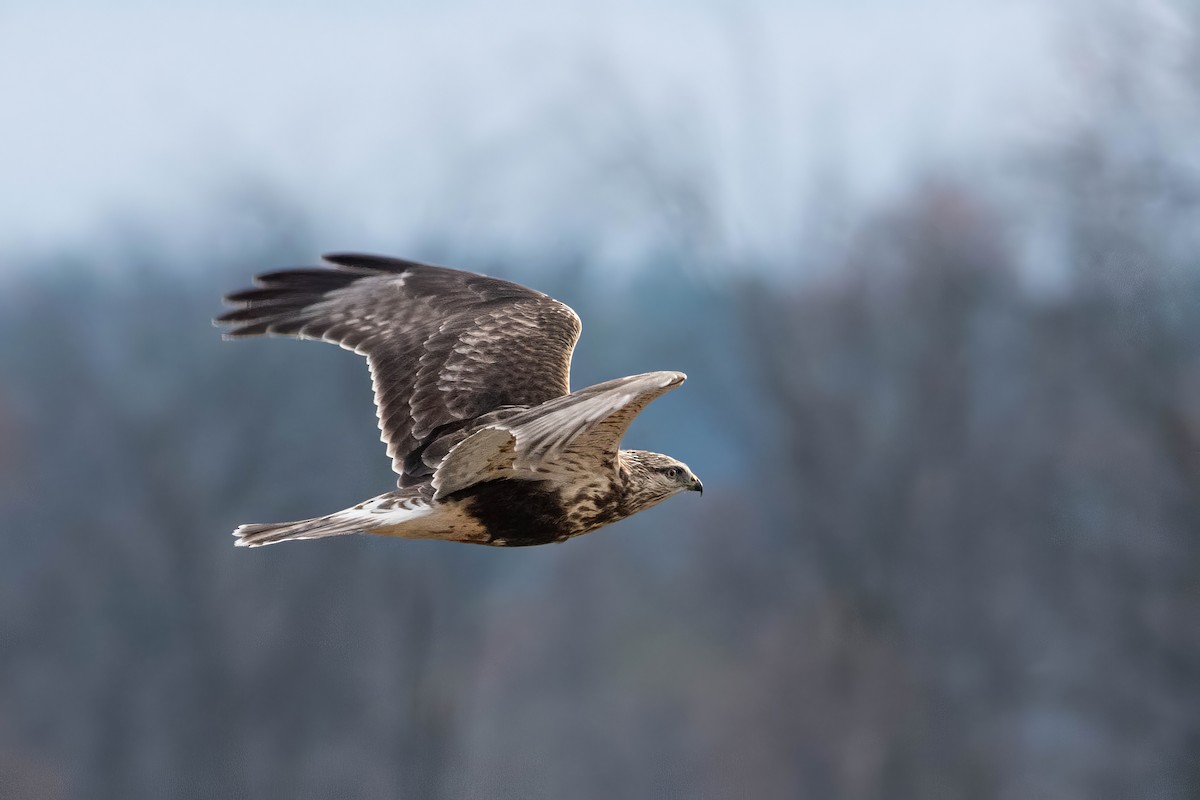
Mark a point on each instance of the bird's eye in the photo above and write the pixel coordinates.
(672, 472)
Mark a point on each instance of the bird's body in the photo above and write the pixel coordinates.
(471, 378)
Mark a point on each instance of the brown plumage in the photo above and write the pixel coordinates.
(472, 389)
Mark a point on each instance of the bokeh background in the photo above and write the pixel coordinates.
(933, 268)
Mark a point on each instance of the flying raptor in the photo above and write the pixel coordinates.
(472, 389)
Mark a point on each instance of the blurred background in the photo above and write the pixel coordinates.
(933, 268)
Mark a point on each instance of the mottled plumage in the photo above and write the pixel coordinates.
(472, 388)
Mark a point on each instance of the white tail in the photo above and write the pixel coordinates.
(384, 511)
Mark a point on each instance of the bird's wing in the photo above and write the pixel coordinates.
(577, 432)
(442, 345)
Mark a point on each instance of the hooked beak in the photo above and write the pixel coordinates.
(696, 486)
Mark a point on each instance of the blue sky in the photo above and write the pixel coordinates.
(388, 119)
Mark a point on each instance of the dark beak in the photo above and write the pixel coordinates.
(697, 486)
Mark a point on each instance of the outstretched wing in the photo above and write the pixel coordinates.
(578, 432)
(442, 345)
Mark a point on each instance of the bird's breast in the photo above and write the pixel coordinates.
(592, 504)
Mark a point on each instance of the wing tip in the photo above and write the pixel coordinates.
(671, 378)
(371, 262)
(228, 330)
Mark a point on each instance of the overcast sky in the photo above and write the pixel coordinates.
(392, 117)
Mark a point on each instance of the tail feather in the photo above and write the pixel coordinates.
(256, 535)
(385, 511)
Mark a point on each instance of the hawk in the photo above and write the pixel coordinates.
(472, 390)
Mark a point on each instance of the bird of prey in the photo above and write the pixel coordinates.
(472, 390)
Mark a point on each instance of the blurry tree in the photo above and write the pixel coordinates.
(951, 549)
(997, 478)
(139, 639)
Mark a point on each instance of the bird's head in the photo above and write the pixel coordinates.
(654, 477)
